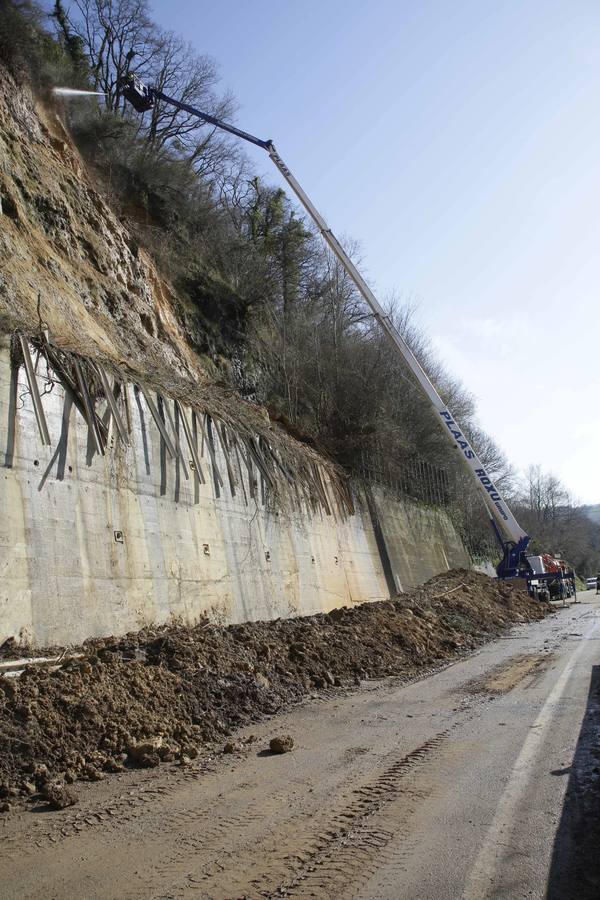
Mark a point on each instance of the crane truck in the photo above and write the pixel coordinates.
(544, 579)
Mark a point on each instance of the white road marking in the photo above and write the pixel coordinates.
(481, 879)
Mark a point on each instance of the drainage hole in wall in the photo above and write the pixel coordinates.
(36, 462)
(118, 536)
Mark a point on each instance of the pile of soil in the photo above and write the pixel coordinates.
(158, 694)
(12, 649)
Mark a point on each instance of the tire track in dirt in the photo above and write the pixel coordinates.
(274, 846)
(331, 850)
(115, 816)
(188, 847)
(222, 861)
(355, 840)
(386, 874)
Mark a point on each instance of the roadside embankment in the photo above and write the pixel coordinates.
(158, 694)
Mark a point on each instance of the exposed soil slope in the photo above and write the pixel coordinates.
(71, 265)
(160, 693)
(68, 260)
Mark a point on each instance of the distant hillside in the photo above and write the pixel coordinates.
(593, 512)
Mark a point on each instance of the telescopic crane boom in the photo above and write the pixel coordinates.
(513, 539)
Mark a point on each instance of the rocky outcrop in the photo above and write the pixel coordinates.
(68, 260)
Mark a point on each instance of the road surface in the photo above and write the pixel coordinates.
(473, 782)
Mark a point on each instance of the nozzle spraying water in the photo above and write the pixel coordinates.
(74, 92)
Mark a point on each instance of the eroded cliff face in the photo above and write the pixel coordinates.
(69, 263)
(68, 260)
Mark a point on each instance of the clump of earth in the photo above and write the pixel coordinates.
(281, 744)
(162, 693)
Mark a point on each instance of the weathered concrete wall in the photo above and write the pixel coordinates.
(66, 573)
(420, 541)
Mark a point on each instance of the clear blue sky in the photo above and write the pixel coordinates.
(459, 142)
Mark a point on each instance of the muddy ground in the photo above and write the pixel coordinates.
(160, 694)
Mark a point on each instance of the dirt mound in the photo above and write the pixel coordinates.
(156, 695)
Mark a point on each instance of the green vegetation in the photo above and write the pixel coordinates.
(29, 49)
(259, 292)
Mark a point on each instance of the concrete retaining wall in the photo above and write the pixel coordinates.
(93, 545)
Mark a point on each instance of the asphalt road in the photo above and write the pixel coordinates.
(474, 782)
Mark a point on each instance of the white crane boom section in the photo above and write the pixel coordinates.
(494, 501)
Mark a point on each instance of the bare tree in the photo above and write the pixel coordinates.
(178, 71)
(121, 39)
(544, 495)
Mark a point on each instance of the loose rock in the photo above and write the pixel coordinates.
(58, 795)
(282, 744)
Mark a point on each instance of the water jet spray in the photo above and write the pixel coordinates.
(75, 92)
